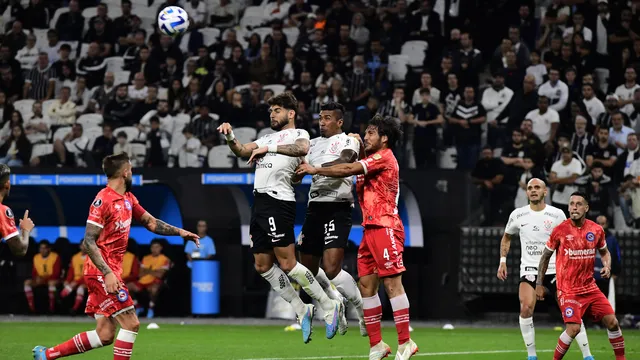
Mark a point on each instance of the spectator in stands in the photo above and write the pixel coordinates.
(41, 80)
(193, 97)
(102, 94)
(495, 100)
(594, 106)
(359, 83)
(63, 59)
(158, 142)
(62, 111)
(69, 151)
(596, 186)
(102, 14)
(466, 121)
(626, 91)
(11, 85)
(581, 139)
(618, 133)
(219, 73)
(612, 107)
(6, 109)
(45, 273)
(627, 163)
(138, 91)
(530, 170)
(488, 174)
(122, 145)
(118, 111)
(564, 173)
(167, 48)
(147, 66)
(614, 250)
(16, 39)
(427, 119)
(103, 146)
(16, 151)
(28, 55)
(204, 126)
(36, 125)
(290, 68)
(70, 25)
(152, 273)
(426, 83)
(7, 60)
(601, 152)
(555, 90)
(169, 73)
(305, 91)
(322, 97)
(53, 45)
(223, 14)
(537, 69)
(207, 249)
(629, 193)
(122, 25)
(197, 11)
(16, 119)
(92, 66)
(81, 95)
(512, 157)
(224, 48)
(132, 51)
(36, 15)
(190, 151)
(314, 53)
(545, 121)
(149, 103)
(99, 34)
(75, 279)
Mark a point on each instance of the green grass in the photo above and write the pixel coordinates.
(189, 342)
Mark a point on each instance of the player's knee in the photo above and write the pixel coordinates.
(526, 310)
(106, 335)
(263, 268)
(287, 265)
(573, 330)
(393, 286)
(611, 323)
(332, 269)
(133, 325)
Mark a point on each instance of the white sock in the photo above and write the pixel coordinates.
(347, 286)
(280, 283)
(327, 286)
(305, 278)
(123, 346)
(583, 341)
(528, 335)
(94, 339)
(567, 340)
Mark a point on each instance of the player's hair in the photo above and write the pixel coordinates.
(285, 100)
(334, 106)
(389, 127)
(44, 242)
(112, 164)
(582, 195)
(5, 173)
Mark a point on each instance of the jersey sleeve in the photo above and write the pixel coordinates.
(512, 226)
(165, 263)
(602, 239)
(301, 134)
(376, 162)
(352, 144)
(136, 209)
(554, 240)
(8, 224)
(261, 141)
(98, 212)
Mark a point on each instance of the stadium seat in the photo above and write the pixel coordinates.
(220, 157)
(138, 154)
(292, 35)
(179, 122)
(114, 64)
(240, 35)
(241, 88)
(254, 11)
(41, 150)
(61, 133)
(265, 131)
(245, 134)
(210, 35)
(56, 16)
(42, 39)
(133, 134)
(276, 88)
(447, 159)
(24, 106)
(252, 21)
(90, 120)
(177, 141)
(163, 93)
(92, 133)
(84, 50)
(46, 105)
(416, 51)
(398, 67)
(121, 77)
(262, 32)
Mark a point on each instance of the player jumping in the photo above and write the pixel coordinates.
(18, 241)
(328, 221)
(272, 217)
(105, 242)
(380, 252)
(534, 224)
(576, 241)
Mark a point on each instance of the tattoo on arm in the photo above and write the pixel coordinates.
(505, 245)
(239, 149)
(91, 248)
(544, 264)
(346, 156)
(300, 148)
(19, 243)
(158, 226)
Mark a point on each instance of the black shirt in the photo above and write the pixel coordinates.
(425, 113)
(605, 153)
(487, 169)
(468, 113)
(512, 172)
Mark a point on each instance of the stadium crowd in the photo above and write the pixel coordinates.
(508, 90)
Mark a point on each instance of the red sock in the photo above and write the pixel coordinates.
(372, 317)
(123, 346)
(564, 342)
(617, 343)
(29, 294)
(400, 306)
(78, 344)
(66, 291)
(79, 298)
(52, 298)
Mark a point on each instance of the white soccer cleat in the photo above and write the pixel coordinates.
(379, 351)
(363, 329)
(406, 350)
(343, 325)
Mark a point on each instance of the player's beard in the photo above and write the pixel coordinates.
(278, 124)
(128, 183)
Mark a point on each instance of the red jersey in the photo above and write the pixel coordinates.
(378, 190)
(576, 254)
(7, 223)
(113, 213)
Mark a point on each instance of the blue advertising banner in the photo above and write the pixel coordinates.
(65, 180)
(205, 287)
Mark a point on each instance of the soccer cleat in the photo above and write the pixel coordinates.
(532, 358)
(379, 351)
(363, 329)
(306, 323)
(150, 314)
(332, 319)
(39, 353)
(407, 350)
(343, 325)
(587, 358)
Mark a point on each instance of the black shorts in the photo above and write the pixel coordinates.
(549, 282)
(326, 226)
(272, 223)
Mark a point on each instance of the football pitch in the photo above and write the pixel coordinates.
(245, 342)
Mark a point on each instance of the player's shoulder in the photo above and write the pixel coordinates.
(564, 226)
(520, 212)
(552, 211)
(593, 226)
(6, 211)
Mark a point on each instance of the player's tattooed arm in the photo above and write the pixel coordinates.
(543, 265)
(159, 227)
(346, 156)
(241, 150)
(91, 235)
(299, 148)
(505, 245)
(19, 243)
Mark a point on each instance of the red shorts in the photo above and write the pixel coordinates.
(380, 252)
(100, 303)
(594, 304)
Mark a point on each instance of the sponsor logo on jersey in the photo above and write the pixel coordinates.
(530, 268)
(550, 215)
(536, 228)
(568, 312)
(97, 203)
(580, 253)
(123, 295)
(590, 237)
(122, 225)
(9, 213)
(569, 237)
(522, 214)
(376, 156)
(127, 204)
(117, 207)
(282, 136)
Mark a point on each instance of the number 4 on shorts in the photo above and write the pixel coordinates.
(385, 254)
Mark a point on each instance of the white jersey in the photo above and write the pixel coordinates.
(534, 228)
(324, 150)
(274, 171)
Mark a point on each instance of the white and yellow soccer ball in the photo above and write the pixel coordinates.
(173, 21)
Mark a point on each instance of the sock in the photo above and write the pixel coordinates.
(372, 317)
(52, 298)
(29, 294)
(78, 344)
(583, 341)
(400, 306)
(528, 335)
(617, 343)
(327, 286)
(305, 278)
(123, 347)
(347, 286)
(280, 283)
(79, 298)
(563, 345)
(66, 291)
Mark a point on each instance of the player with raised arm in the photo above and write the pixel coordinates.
(276, 157)
(382, 246)
(18, 241)
(328, 221)
(105, 242)
(533, 224)
(576, 241)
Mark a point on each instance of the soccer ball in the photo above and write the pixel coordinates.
(173, 21)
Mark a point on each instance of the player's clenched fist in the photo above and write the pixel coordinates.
(502, 271)
(539, 292)
(26, 223)
(111, 283)
(225, 129)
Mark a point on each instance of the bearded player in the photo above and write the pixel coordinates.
(576, 241)
(533, 224)
(105, 242)
(18, 241)
(380, 252)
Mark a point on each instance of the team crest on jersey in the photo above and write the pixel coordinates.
(9, 213)
(127, 204)
(568, 312)
(97, 203)
(282, 136)
(548, 224)
(334, 147)
(123, 295)
(590, 236)
(569, 237)
(377, 156)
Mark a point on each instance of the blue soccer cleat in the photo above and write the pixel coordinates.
(332, 319)
(39, 353)
(589, 358)
(306, 322)
(532, 358)
(150, 314)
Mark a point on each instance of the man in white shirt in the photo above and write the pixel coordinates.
(197, 11)
(494, 100)
(578, 26)
(63, 111)
(564, 173)
(556, 90)
(28, 55)
(618, 132)
(594, 106)
(138, 91)
(627, 90)
(545, 121)
(69, 151)
(36, 125)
